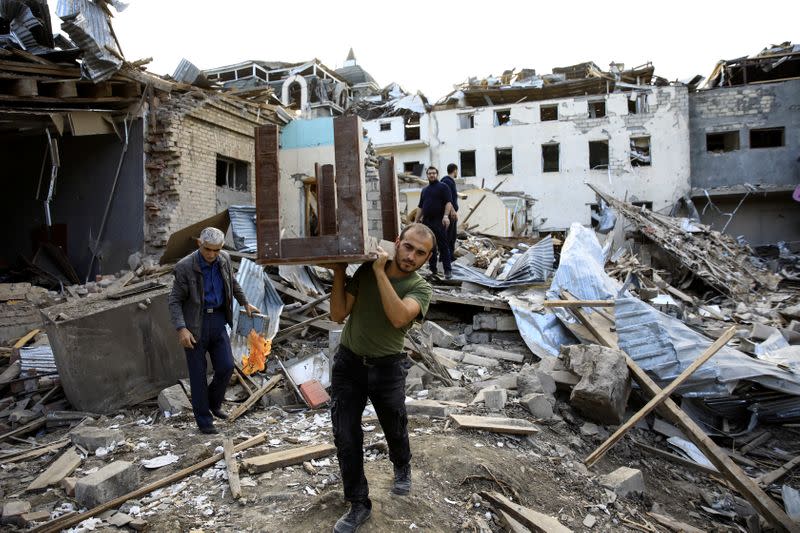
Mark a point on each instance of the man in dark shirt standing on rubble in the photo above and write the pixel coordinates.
(452, 229)
(382, 300)
(435, 205)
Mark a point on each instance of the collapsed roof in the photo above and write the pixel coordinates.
(774, 63)
(525, 85)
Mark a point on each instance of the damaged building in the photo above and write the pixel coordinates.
(745, 146)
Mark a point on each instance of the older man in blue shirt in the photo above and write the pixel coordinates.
(201, 304)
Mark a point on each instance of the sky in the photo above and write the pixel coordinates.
(433, 45)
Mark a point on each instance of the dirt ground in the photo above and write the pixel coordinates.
(450, 468)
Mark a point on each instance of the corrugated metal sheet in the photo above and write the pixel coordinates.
(38, 358)
(302, 279)
(259, 291)
(535, 265)
(243, 227)
(664, 346)
(88, 26)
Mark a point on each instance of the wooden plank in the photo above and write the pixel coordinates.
(578, 303)
(299, 326)
(65, 522)
(233, 469)
(674, 525)
(741, 482)
(59, 88)
(26, 338)
(318, 260)
(771, 477)
(659, 398)
(326, 200)
(293, 456)
(390, 216)
(281, 287)
(533, 520)
(310, 248)
(755, 443)
(42, 70)
(351, 207)
(27, 428)
(516, 426)
(438, 297)
(249, 402)
(58, 470)
(11, 373)
(34, 453)
(268, 212)
(24, 87)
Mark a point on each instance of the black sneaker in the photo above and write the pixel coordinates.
(208, 430)
(448, 274)
(402, 480)
(350, 522)
(219, 413)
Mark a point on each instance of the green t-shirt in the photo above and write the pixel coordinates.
(368, 332)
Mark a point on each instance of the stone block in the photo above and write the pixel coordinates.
(539, 405)
(27, 519)
(451, 394)
(441, 337)
(13, 511)
(494, 322)
(602, 393)
(173, 400)
(624, 481)
(477, 360)
(111, 481)
(479, 337)
(91, 438)
(430, 408)
(495, 399)
(413, 386)
(68, 484)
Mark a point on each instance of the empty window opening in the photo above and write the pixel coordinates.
(466, 121)
(598, 155)
(637, 103)
(502, 117)
(386, 126)
(232, 173)
(295, 95)
(646, 205)
(467, 163)
(548, 112)
(412, 129)
(597, 109)
(504, 161)
(640, 152)
(550, 155)
(766, 138)
(412, 167)
(726, 141)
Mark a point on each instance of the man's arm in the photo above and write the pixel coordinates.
(448, 208)
(178, 294)
(341, 300)
(238, 293)
(399, 312)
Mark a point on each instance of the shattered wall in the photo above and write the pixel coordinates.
(187, 133)
(561, 197)
(740, 109)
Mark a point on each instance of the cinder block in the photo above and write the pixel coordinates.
(495, 399)
(539, 405)
(624, 481)
(173, 400)
(428, 408)
(13, 511)
(92, 438)
(111, 481)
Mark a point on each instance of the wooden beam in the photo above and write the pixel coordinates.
(326, 199)
(268, 209)
(755, 443)
(64, 522)
(390, 216)
(27, 428)
(771, 477)
(659, 398)
(33, 453)
(515, 426)
(464, 222)
(233, 468)
(309, 248)
(58, 470)
(746, 486)
(282, 458)
(533, 520)
(297, 327)
(249, 402)
(578, 303)
(26, 338)
(59, 88)
(674, 525)
(351, 208)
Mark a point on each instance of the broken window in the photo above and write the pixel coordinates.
(412, 128)
(637, 103)
(413, 167)
(548, 112)
(598, 154)
(597, 109)
(645, 205)
(502, 117)
(725, 141)
(550, 156)
(504, 161)
(466, 121)
(232, 173)
(766, 137)
(386, 126)
(640, 151)
(467, 163)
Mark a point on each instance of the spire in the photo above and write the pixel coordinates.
(351, 56)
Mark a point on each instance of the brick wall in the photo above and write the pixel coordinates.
(373, 185)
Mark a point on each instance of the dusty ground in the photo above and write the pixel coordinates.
(450, 467)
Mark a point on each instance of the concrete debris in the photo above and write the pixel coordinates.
(539, 405)
(440, 336)
(173, 400)
(495, 399)
(430, 408)
(13, 511)
(532, 380)
(107, 483)
(624, 481)
(91, 438)
(602, 393)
